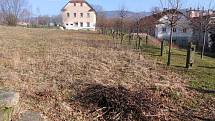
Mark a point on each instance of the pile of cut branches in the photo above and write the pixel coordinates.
(118, 103)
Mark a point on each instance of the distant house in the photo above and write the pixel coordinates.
(23, 23)
(202, 17)
(188, 26)
(79, 15)
(193, 13)
(182, 32)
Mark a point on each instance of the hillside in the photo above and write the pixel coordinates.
(68, 75)
(115, 14)
(131, 14)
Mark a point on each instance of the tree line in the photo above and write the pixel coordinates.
(14, 11)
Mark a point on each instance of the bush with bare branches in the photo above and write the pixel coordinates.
(12, 10)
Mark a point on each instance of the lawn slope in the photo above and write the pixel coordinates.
(69, 75)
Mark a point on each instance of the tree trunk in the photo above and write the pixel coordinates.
(121, 31)
(129, 38)
(103, 30)
(188, 62)
(203, 46)
(122, 35)
(139, 41)
(147, 37)
(170, 47)
(117, 34)
(136, 44)
(138, 37)
(113, 35)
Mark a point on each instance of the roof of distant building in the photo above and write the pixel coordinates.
(79, 1)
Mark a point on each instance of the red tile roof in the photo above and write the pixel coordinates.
(79, 1)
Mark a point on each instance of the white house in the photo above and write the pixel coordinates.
(182, 32)
(79, 15)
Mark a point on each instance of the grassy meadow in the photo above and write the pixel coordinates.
(202, 74)
(71, 75)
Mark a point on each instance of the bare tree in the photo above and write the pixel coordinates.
(130, 27)
(122, 14)
(101, 20)
(205, 29)
(1, 17)
(116, 27)
(155, 10)
(172, 17)
(38, 14)
(196, 23)
(202, 25)
(149, 23)
(57, 20)
(212, 34)
(12, 10)
(138, 28)
(44, 20)
(25, 16)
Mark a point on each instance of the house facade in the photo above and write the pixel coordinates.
(79, 15)
(182, 32)
(187, 26)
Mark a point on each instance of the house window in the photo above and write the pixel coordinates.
(81, 14)
(67, 24)
(71, 24)
(68, 15)
(174, 29)
(164, 29)
(81, 4)
(184, 30)
(74, 4)
(76, 24)
(81, 24)
(88, 15)
(75, 15)
(88, 24)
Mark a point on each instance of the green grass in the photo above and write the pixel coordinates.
(202, 74)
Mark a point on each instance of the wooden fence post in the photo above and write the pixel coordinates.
(162, 47)
(129, 38)
(139, 41)
(190, 55)
(147, 38)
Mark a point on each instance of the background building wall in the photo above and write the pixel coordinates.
(69, 22)
(179, 37)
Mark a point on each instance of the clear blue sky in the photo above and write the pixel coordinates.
(52, 7)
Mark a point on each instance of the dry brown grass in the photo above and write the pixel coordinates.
(50, 67)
